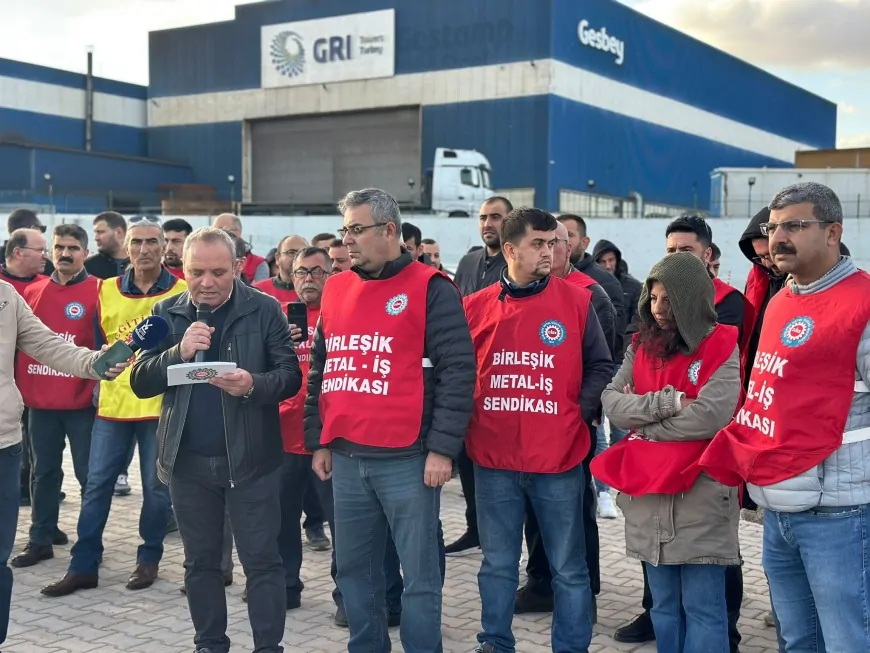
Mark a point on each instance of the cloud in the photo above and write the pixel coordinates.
(788, 33)
(854, 140)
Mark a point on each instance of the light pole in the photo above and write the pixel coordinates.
(232, 182)
(47, 178)
(751, 183)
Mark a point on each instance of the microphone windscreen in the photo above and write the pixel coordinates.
(150, 332)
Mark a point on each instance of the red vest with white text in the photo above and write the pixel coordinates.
(757, 287)
(579, 278)
(529, 374)
(291, 409)
(372, 382)
(722, 290)
(252, 262)
(637, 466)
(17, 283)
(68, 311)
(801, 388)
(281, 294)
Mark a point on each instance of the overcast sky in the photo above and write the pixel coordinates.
(821, 45)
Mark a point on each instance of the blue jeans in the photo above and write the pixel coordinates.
(689, 612)
(10, 497)
(557, 500)
(110, 442)
(49, 430)
(373, 497)
(818, 566)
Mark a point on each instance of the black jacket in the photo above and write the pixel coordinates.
(631, 287)
(105, 267)
(606, 315)
(477, 270)
(256, 336)
(448, 386)
(613, 288)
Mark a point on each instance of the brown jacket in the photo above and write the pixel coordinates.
(21, 329)
(700, 526)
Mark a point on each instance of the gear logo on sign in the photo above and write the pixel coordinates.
(397, 304)
(694, 369)
(797, 332)
(202, 374)
(288, 54)
(74, 311)
(552, 333)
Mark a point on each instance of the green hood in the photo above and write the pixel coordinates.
(690, 291)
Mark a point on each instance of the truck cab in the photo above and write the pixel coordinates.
(458, 182)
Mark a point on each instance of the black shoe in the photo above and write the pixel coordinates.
(594, 609)
(32, 554)
(394, 619)
(467, 543)
(636, 631)
(62, 496)
(528, 601)
(294, 601)
(340, 617)
(60, 538)
(317, 539)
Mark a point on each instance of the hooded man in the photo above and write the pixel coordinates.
(609, 256)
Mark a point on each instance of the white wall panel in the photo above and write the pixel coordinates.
(49, 99)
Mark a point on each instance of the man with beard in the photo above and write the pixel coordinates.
(477, 270)
(339, 257)
(176, 232)
(110, 259)
(433, 251)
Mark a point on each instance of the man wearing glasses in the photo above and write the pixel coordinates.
(801, 440)
(281, 285)
(23, 219)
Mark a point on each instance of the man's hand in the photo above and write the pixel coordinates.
(439, 470)
(236, 383)
(196, 338)
(628, 390)
(115, 371)
(685, 401)
(295, 335)
(321, 463)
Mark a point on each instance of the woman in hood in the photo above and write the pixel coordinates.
(679, 385)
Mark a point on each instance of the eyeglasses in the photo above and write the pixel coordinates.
(789, 226)
(761, 260)
(290, 252)
(357, 230)
(136, 219)
(317, 273)
(42, 251)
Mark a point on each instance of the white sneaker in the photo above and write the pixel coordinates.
(606, 509)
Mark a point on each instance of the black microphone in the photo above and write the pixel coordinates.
(203, 313)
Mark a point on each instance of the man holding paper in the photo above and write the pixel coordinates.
(220, 437)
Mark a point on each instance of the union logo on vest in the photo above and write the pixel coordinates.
(397, 304)
(797, 331)
(74, 311)
(694, 369)
(552, 333)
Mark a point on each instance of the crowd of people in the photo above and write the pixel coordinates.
(392, 377)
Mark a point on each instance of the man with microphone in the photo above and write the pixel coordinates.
(220, 441)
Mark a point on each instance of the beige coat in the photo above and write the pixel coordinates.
(697, 527)
(21, 329)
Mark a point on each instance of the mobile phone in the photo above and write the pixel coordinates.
(117, 353)
(297, 315)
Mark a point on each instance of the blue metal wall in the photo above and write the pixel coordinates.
(667, 62)
(58, 131)
(213, 151)
(622, 155)
(36, 73)
(430, 36)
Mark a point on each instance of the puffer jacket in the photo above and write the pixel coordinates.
(699, 526)
(21, 329)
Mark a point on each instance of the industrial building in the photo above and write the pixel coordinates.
(584, 106)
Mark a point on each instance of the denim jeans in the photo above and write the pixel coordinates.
(110, 442)
(374, 496)
(49, 430)
(688, 612)
(315, 517)
(295, 479)
(392, 570)
(10, 497)
(818, 565)
(557, 500)
(202, 496)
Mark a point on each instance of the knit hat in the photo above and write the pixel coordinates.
(690, 292)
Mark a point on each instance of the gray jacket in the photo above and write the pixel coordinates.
(844, 478)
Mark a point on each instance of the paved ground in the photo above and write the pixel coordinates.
(111, 619)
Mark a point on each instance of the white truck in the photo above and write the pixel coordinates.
(742, 192)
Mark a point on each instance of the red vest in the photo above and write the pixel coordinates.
(801, 388)
(636, 466)
(722, 290)
(178, 273)
(18, 284)
(268, 286)
(372, 383)
(292, 409)
(529, 374)
(68, 311)
(579, 278)
(757, 287)
(252, 262)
